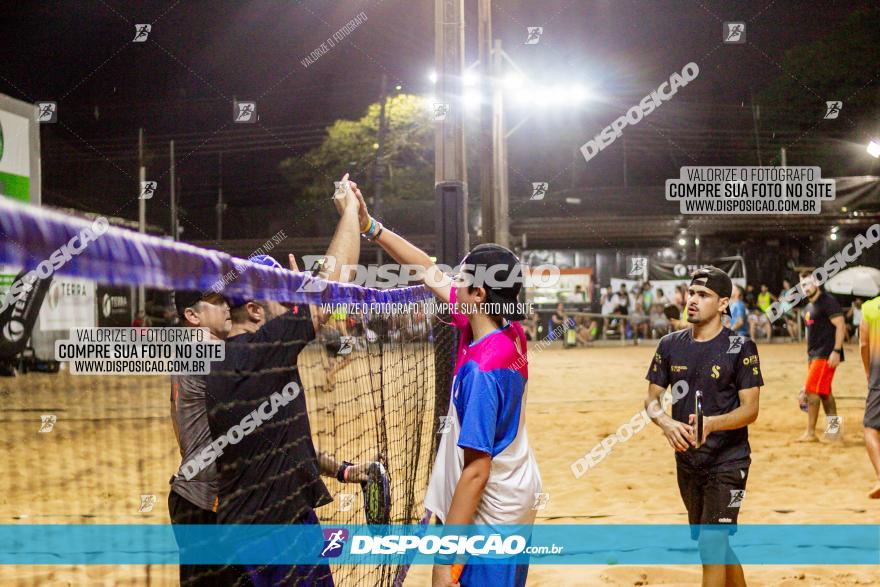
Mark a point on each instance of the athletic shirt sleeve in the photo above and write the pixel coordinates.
(658, 372)
(293, 330)
(748, 367)
(830, 306)
(481, 401)
(459, 320)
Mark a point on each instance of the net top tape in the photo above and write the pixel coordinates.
(30, 235)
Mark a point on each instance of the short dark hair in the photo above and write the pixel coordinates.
(805, 273)
(239, 313)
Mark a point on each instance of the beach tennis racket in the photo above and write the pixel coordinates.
(377, 495)
(698, 418)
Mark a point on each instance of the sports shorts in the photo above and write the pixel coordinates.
(819, 376)
(872, 409)
(712, 497)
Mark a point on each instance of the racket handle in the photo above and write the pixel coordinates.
(456, 571)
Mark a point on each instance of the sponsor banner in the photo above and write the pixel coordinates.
(15, 164)
(114, 306)
(584, 544)
(70, 303)
(17, 319)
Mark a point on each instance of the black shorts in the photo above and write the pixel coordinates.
(872, 410)
(712, 497)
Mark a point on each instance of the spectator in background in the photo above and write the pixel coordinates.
(141, 320)
(854, 317)
(530, 326)
(579, 296)
(660, 324)
(791, 323)
(623, 303)
(607, 308)
(739, 316)
(758, 320)
(749, 296)
(559, 321)
(586, 334)
(643, 305)
(660, 297)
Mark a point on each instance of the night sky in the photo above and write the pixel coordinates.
(201, 55)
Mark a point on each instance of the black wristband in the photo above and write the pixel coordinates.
(340, 473)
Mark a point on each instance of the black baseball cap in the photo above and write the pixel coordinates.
(506, 268)
(714, 279)
(187, 298)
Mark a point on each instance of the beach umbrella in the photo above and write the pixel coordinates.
(856, 281)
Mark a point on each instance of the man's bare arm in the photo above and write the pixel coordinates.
(678, 434)
(864, 346)
(345, 247)
(745, 414)
(406, 253)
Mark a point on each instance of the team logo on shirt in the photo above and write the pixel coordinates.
(334, 542)
(736, 497)
(678, 368)
(716, 371)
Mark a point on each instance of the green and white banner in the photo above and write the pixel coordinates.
(15, 155)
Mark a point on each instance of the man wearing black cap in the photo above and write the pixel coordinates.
(485, 471)
(271, 474)
(724, 366)
(192, 500)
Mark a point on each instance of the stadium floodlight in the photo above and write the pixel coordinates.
(470, 79)
(472, 98)
(577, 94)
(835, 228)
(682, 241)
(697, 241)
(834, 236)
(874, 148)
(513, 81)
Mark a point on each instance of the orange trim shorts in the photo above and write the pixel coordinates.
(819, 376)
